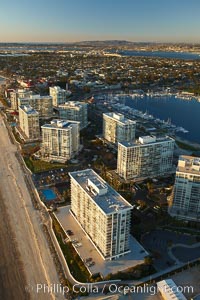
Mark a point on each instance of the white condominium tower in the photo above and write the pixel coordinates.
(20, 93)
(103, 214)
(146, 157)
(43, 104)
(74, 110)
(185, 198)
(58, 95)
(116, 128)
(60, 140)
(29, 122)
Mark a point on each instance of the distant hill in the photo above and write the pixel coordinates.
(111, 43)
(106, 43)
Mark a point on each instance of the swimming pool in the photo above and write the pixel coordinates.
(49, 194)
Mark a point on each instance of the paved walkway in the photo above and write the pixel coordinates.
(183, 246)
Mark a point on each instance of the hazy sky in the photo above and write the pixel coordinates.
(66, 20)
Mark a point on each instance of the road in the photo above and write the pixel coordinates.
(26, 260)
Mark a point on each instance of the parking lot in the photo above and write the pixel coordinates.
(88, 252)
(51, 177)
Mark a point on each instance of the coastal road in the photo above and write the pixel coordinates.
(25, 259)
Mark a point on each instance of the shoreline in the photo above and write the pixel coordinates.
(187, 142)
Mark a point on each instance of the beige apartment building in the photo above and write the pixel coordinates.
(102, 213)
(116, 128)
(184, 202)
(43, 104)
(29, 122)
(60, 140)
(58, 95)
(146, 157)
(20, 93)
(76, 111)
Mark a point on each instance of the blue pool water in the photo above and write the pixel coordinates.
(49, 194)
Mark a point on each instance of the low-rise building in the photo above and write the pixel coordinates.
(146, 157)
(117, 128)
(76, 111)
(60, 140)
(169, 290)
(184, 201)
(29, 122)
(102, 213)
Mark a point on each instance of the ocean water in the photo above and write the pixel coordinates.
(162, 54)
(184, 113)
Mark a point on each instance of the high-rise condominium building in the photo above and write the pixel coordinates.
(29, 122)
(116, 128)
(146, 157)
(103, 214)
(58, 95)
(43, 104)
(74, 110)
(60, 139)
(184, 201)
(20, 93)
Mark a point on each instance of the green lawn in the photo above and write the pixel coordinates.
(74, 262)
(40, 166)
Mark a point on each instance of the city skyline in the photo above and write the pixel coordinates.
(66, 21)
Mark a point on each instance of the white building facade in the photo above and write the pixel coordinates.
(76, 111)
(146, 157)
(29, 122)
(20, 93)
(58, 95)
(60, 140)
(116, 128)
(184, 202)
(43, 104)
(102, 213)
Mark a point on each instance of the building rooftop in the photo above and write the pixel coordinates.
(189, 164)
(61, 124)
(170, 290)
(25, 90)
(145, 140)
(40, 97)
(119, 118)
(100, 191)
(57, 88)
(72, 104)
(29, 110)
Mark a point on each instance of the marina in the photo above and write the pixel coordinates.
(162, 112)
